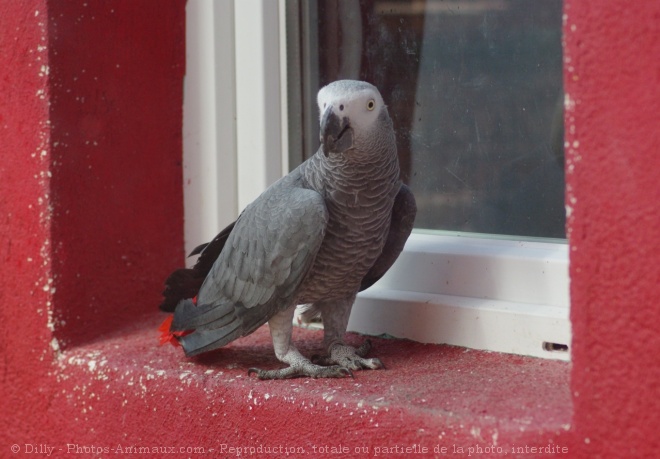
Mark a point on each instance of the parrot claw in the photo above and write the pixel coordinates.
(347, 371)
(299, 371)
(254, 370)
(349, 357)
(364, 349)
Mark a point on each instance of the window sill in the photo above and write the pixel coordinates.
(478, 292)
(500, 326)
(429, 395)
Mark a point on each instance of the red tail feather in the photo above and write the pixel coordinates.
(166, 335)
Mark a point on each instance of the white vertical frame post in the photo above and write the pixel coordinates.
(258, 90)
(284, 95)
(209, 124)
(235, 129)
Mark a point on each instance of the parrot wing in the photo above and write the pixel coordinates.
(263, 261)
(401, 225)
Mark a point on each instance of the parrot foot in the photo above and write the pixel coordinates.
(349, 357)
(303, 369)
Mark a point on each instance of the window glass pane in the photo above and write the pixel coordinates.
(475, 91)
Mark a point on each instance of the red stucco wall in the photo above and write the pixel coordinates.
(91, 219)
(115, 110)
(613, 179)
(91, 209)
(25, 266)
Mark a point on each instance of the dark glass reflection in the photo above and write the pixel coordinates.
(475, 92)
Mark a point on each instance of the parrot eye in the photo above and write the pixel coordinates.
(371, 105)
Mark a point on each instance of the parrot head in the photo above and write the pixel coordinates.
(349, 111)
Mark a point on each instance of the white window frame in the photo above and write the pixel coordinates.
(468, 290)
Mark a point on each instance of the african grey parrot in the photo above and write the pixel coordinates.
(330, 228)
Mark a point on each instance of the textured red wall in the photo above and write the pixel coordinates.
(116, 111)
(90, 183)
(613, 179)
(91, 220)
(25, 267)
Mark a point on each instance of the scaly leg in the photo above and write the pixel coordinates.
(335, 316)
(281, 325)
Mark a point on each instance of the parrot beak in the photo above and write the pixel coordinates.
(336, 134)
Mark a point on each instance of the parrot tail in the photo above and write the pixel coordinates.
(180, 285)
(185, 283)
(209, 326)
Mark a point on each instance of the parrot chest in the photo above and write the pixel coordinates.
(357, 229)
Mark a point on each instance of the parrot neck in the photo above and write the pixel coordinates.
(354, 179)
(364, 165)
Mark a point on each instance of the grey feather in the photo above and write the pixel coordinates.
(401, 225)
(331, 227)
